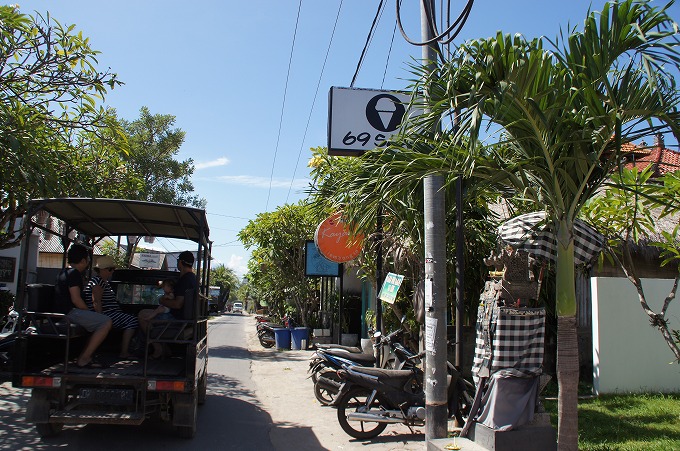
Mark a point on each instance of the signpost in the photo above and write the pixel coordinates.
(390, 286)
(332, 238)
(316, 265)
(363, 119)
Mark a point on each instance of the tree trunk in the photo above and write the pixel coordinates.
(567, 342)
(567, 378)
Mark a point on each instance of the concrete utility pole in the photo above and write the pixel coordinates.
(435, 274)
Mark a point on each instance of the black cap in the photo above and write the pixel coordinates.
(187, 258)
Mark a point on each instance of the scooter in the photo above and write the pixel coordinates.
(10, 330)
(265, 330)
(371, 398)
(324, 363)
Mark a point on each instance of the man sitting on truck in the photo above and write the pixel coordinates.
(68, 299)
(186, 281)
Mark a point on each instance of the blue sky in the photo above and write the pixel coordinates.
(221, 68)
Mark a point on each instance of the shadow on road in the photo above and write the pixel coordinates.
(228, 352)
(231, 419)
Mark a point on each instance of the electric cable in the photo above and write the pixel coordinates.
(438, 37)
(283, 105)
(389, 53)
(311, 110)
(464, 15)
(368, 40)
(227, 216)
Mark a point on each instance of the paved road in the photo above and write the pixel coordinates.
(232, 417)
(258, 399)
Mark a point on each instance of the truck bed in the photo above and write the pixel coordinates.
(169, 367)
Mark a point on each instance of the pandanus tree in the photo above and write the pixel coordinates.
(563, 109)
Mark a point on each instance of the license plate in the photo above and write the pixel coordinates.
(116, 396)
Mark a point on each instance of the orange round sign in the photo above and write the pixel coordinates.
(332, 239)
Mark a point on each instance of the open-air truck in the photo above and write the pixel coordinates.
(124, 391)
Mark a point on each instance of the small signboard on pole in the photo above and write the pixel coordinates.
(363, 119)
(388, 292)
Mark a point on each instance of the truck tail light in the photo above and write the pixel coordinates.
(153, 385)
(38, 381)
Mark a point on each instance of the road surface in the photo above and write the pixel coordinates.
(258, 399)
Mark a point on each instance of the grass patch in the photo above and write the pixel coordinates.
(626, 422)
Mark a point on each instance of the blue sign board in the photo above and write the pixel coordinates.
(316, 265)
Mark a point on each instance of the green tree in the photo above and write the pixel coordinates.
(244, 294)
(390, 180)
(625, 214)
(98, 163)
(276, 271)
(225, 278)
(564, 113)
(50, 89)
(153, 145)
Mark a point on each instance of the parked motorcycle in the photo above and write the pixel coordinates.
(371, 398)
(325, 362)
(8, 334)
(265, 329)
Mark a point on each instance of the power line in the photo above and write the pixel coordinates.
(378, 13)
(228, 216)
(311, 110)
(389, 53)
(283, 105)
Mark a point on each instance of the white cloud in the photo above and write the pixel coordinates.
(262, 182)
(222, 161)
(237, 263)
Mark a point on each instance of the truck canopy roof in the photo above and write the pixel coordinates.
(115, 217)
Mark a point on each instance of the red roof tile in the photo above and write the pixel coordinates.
(662, 160)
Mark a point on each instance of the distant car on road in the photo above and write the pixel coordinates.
(237, 308)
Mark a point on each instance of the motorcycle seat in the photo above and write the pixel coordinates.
(382, 372)
(363, 359)
(352, 349)
(397, 379)
(267, 325)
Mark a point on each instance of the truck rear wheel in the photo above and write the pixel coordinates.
(185, 410)
(46, 430)
(38, 412)
(202, 386)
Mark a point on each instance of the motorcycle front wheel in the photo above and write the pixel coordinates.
(355, 401)
(266, 342)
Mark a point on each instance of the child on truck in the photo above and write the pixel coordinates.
(168, 286)
(160, 313)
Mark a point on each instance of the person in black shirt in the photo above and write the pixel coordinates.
(186, 281)
(69, 300)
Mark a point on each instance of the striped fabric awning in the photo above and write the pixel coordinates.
(532, 233)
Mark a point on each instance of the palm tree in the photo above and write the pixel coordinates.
(563, 115)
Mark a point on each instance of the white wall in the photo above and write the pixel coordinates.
(629, 355)
(15, 253)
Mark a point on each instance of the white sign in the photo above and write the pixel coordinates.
(388, 292)
(147, 261)
(430, 334)
(363, 119)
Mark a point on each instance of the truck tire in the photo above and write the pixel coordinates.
(38, 411)
(202, 387)
(185, 410)
(46, 430)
